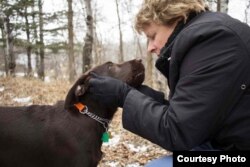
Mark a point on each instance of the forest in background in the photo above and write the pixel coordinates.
(65, 42)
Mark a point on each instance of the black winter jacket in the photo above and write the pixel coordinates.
(209, 80)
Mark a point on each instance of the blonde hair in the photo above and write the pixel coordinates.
(166, 11)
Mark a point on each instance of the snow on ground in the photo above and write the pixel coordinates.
(113, 141)
(22, 100)
(133, 165)
(134, 148)
(115, 164)
(2, 88)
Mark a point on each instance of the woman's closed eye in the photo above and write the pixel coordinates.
(151, 37)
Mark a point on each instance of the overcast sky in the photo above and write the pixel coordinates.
(236, 8)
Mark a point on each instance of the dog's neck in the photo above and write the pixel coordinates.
(97, 108)
(83, 109)
(78, 104)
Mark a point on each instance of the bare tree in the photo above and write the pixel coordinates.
(2, 17)
(212, 4)
(4, 45)
(97, 43)
(218, 5)
(121, 57)
(34, 25)
(137, 43)
(87, 48)
(71, 63)
(29, 47)
(139, 52)
(41, 72)
(246, 11)
(222, 6)
(10, 62)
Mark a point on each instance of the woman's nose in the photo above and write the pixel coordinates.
(151, 47)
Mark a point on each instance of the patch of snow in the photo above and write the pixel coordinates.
(22, 100)
(2, 73)
(20, 74)
(133, 165)
(35, 75)
(137, 149)
(113, 164)
(2, 89)
(47, 79)
(113, 141)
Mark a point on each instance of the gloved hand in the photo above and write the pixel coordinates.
(156, 95)
(108, 91)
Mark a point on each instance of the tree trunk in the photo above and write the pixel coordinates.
(41, 73)
(97, 48)
(97, 44)
(87, 48)
(246, 11)
(121, 57)
(222, 6)
(10, 58)
(4, 53)
(28, 49)
(71, 63)
(210, 3)
(35, 38)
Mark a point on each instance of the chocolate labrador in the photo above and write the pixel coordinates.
(67, 134)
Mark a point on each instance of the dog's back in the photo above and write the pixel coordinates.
(47, 136)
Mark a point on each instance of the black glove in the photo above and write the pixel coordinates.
(156, 95)
(108, 91)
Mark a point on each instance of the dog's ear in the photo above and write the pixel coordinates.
(77, 90)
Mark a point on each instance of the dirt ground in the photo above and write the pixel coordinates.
(124, 148)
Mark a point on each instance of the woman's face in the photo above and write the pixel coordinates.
(157, 35)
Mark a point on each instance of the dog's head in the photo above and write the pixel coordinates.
(132, 72)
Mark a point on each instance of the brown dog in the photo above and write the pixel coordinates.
(67, 134)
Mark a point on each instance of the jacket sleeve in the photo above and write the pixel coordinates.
(156, 95)
(207, 89)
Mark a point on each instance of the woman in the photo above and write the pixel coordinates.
(205, 57)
